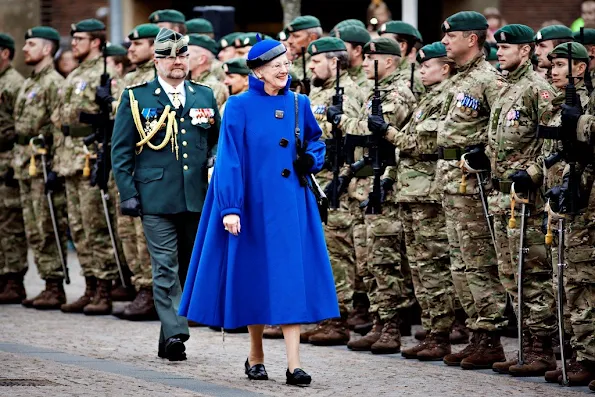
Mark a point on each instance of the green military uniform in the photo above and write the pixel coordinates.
(13, 241)
(207, 77)
(356, 36)
(165, 175)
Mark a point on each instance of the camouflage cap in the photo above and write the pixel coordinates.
(203, 41)
(236, 66)
(199, 25)
(112, 50)
(170, 43)
(174, 16)
(229, 39)
(382, 45)
(144, 31)
(577, 50)
(353, 34)
(43, 32)
(515, 34)
(87, 25)
(431, 51)
(399, 27)
(465, 21)
(303, 22)
(553, 32)
(588, 37)
(6, 41)
(326, 44)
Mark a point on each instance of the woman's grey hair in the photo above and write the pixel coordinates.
(342, 58)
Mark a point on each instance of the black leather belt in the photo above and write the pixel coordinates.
(502, 185)
(421, 157)
(450, 153)
(79, 131)
(24, 139)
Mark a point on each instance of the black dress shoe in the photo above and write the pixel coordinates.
(298, 378)
(174, 349)
(256, 372)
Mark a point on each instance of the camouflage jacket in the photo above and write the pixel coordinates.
(36, 100)
(404, 73)
(418, 138)
(465, 116)
(144, 72)
(10, 83)
(219, 89)
(217, 70)
(358, 75)
(297, 67)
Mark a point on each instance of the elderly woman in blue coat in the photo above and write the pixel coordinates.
(260, 255)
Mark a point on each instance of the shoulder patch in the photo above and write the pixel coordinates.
(546, 94)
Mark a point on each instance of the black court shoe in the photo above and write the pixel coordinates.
(256, 372)
(298, 378)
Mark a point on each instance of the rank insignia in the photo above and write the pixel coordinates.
(80, 87)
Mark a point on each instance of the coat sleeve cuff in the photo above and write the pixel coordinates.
(231, 210)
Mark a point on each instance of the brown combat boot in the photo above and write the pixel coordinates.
(359, 315)
(580, 373)
(411, 352)
(365, 343)
(538, 360)
(54, 296)
(334, 334)
(488, 352)
(320, 327)
(459, 333)
(390, 338)
(437, 348)
(121, 293)
(142, 307)
(272, 332)
(592, 385)
(554, 375)
(421, 334)
(14, 289)
(102, 301)
(454, 359)
(502, 367)
(78, 305)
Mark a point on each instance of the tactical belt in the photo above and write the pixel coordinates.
(421, 157)
(24, 139)
(545, 132)
(450, 153)
(502, 185)
(79, 131)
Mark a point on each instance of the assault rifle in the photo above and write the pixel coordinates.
(335, 145)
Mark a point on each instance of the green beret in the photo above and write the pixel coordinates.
(87, 25)
(588, 37)
(283, 35)
(6, 41)
(430, 51)
(349, 22)
(303, 22)
(464, 21)
(199, 25)
(112, 50)
(144, 31)
(200, 40)
(353, 34)
(492, 54)
(229, 39)
(554, 32)
(236, 66)
(578, 51)
(174, 16)
(326, 44)
(169, 43)
(399, 27)
(515, 34)
(382, 45)
(43, 32)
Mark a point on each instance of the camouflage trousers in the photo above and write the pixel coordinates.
(473, 263)
(39, 227)
(389, 285)
(538, 311)
(13, 240)
(89, 230)
(427, 248)
(358, 192)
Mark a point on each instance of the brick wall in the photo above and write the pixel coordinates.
(534, 12)
(66, 12)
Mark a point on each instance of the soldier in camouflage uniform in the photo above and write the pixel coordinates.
(388, 290)
(407, 37)
(204, 27)
(326, 55)
(86, 218)
(580, 231)
(227, 49)
(463, 130)
(514, 153)
(236, 77)
(36, 100)
(545, 40)
(355, 38)
(13, 241)
(169, 19)
(202, 51)
(302, 31)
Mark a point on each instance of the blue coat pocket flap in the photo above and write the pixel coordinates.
(146, 175)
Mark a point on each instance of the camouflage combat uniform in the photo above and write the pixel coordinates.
(219, 89)
(404, 72)
(36, 100)
(297, 67)
(13, 241)
(359, 77)
(217, 70)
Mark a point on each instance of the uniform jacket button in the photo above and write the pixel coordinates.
(284, 142)
(285, 173)
(185, 168)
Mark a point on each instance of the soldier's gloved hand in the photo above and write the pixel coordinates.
(9, 180)
(477, 159)
(131, 207)
(103, 94)
(333, 114)
(331, 187)
(522, 181)
(51, 185)
(553, 195)
(386, 186)
(303, 164)
(377, 125)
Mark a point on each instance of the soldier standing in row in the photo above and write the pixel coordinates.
(302, 31)
(203, 51)
(236, 77)
(355, 38)
(204, 27)
(546, 39)
(169, 19)
(13, 240)
(227, 49)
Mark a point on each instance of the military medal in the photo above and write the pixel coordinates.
(80, 87)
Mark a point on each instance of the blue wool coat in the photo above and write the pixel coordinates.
(277, 270)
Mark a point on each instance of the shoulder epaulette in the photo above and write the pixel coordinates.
(197, 83)
(136, 85)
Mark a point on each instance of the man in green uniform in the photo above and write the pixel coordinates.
(355, 38)
(37, 99)
(302, 31)
(163, 179)
(169, 19)
(546, 39)
(13, 241)
(203, 51)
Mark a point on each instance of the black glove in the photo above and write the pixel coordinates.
(9, 180)
(303, 164)
(333, 114)
(386, 186)
(98, 173)
(131, 207)
(571, 114)
(522, 181)
(51, 184)
(377, 125)
(477, 159)
(339, 188)
(103, 94)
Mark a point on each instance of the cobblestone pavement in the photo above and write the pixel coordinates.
(104, 356)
